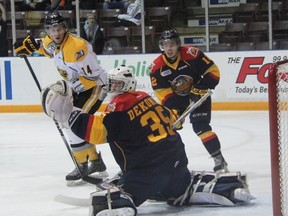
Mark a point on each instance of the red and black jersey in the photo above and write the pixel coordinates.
(139, 131)
(172, 82)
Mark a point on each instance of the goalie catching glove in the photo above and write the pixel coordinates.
(26, 47)
(57, 103)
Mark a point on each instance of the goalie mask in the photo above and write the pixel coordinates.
(120, 80)
(57, 101)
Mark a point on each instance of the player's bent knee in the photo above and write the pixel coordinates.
(201, 127)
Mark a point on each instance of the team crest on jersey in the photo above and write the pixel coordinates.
(79, 54)
(181, 85)
(193, 51)
(166, 73)
(111, 107)
(63, 73)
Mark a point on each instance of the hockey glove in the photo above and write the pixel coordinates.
(197, 93)
(176, 115)
(26, 47)
(57, 103)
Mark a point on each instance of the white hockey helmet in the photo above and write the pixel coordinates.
(121, 79)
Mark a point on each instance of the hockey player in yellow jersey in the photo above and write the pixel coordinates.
(77, 64)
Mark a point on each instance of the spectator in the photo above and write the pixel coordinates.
(91, 32)
(35, 5)
(116, 4)
(3, 32)
(132, 17)
(60, 5)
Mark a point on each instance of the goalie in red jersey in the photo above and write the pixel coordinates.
(181, 75)
(149, 152)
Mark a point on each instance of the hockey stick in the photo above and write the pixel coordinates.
(86, 178)
(84, 202)
(192, 106)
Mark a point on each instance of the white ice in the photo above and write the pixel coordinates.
(34, 162)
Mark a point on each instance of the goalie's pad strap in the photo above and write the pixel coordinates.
(203, 198)
(218, 189)
(111, 201)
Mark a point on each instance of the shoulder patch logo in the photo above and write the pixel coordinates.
(79, 54)
(193, 51)
(111, 107)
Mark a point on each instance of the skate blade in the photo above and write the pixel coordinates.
(127, 211)
(74, 183)
(222, 171)
(101, 175)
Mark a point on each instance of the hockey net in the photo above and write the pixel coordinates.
(278, 117)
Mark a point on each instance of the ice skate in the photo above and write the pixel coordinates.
(74, 178)
(220, 164)
(97, 168)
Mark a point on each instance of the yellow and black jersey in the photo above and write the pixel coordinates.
(172, 82)
(137, 128)
(75, 60)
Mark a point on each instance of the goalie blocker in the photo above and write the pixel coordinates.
(206, 188)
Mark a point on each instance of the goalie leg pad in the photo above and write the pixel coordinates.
(111, 202)
(226, 189)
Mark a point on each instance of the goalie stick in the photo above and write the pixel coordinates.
(86, 178)
(192, 106)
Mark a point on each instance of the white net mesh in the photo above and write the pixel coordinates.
(282, 121)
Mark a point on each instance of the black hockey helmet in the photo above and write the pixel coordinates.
(54, 18)
(169, 34)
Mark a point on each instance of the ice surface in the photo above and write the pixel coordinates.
(34, 162)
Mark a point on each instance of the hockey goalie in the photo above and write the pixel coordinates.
(149, 152)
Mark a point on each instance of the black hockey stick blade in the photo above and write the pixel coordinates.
(92, 180)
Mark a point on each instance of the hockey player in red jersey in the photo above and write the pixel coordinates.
(149, 152)
(181, 75)
(77, 63)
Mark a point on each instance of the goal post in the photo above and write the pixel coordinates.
(278, 121)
